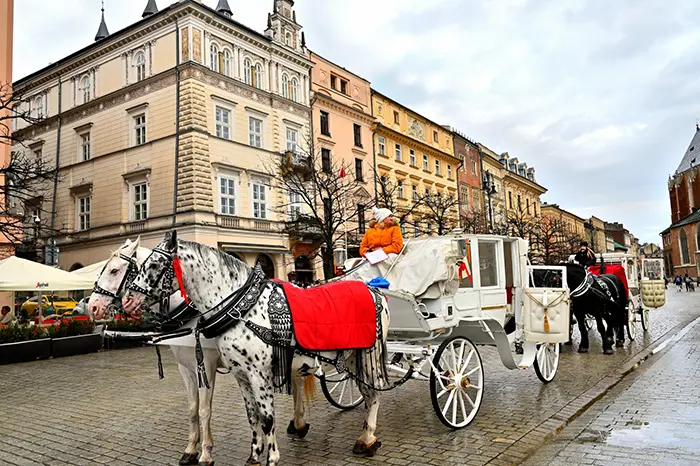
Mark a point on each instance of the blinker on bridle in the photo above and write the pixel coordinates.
(162, 287)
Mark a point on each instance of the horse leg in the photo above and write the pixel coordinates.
(190, 378)
(581, 321)
(298, 425)
(256, 445)
(368, 444)
(206, 395)
(605, 333)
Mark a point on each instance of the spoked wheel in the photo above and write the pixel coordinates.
(631, 322)
(457, 382)
(645, 318)
(341, 390)
(547, 361)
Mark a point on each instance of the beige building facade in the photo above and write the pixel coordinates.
(175, 121)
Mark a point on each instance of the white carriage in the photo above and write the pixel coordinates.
(448, 295)
(647, 287)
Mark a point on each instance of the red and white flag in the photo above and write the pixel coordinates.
(342, 172)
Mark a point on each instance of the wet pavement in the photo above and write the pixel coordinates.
(110, 408)
(652, 417)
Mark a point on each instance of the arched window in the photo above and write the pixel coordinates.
(39, 107)
(227, 62)
(85, 88)
(248, 71)
(214, 57)
(294, 90)
(285, 86)
(266, 264)
(258, 76)
(685, 255)
(288, 39)
(140, 66)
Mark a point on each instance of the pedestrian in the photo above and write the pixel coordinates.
(679, 283)
(5, 315)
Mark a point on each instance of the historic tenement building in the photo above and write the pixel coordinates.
(413, 157)
(468, 176)
(681, 241)
(173, 122)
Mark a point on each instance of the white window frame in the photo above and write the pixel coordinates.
(295, 205)
(382, 145)
(412, 157)
(214, 57)
(248, 71)
(133, 185)
(83, 217)
(85, 89)
(426, 162)
(398, 152)
(226, 61)
(259, 134)
(139, 139)
(221, 126)
(294, 146)
(437, 167)
(399, 184)
(39, 111)
(415, 192)
(449, 171)
(294, 87)
(259, 76)
(140, 66)
(84, 157)
(266, 192)
(285, 86)
(229, 177)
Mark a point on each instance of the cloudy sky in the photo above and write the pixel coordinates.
(600, 96)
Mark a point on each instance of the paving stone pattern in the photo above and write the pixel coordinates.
(652, 418)
(110, 408)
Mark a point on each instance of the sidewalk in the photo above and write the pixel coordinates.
(653, 417)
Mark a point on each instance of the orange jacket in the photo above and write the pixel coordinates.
(389, 239)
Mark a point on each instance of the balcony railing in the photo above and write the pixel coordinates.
(136, 227)
(241, 223)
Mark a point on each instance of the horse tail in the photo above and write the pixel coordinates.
(309, 388)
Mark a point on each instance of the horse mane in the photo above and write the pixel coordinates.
(225, 259)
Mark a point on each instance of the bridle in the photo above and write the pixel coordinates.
(167, 273)
(131, 272)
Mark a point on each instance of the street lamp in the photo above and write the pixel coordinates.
(37, 226)
(340, 254)
(488, 185)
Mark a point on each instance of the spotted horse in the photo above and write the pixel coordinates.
(263, 341)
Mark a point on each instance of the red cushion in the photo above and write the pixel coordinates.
(614, 269)
(340, 315)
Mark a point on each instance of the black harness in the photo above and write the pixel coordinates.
(132, 269)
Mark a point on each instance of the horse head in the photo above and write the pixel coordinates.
(119, 269)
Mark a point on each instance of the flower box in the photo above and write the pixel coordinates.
(79, 344)
(23, 351)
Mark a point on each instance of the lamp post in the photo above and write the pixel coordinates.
(37, 226)
(489, 187)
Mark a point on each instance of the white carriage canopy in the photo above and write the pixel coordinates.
(18, 274)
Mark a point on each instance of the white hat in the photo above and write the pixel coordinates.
(381, 214)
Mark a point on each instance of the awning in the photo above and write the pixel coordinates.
(22, 275)
(617, 245)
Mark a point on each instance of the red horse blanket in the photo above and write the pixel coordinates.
(331, 317)
(614, 269)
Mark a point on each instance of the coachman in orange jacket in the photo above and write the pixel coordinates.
(384, 234)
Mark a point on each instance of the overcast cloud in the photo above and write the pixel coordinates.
(600, 96)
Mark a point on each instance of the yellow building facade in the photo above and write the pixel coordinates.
(573, 223)
(146, 147)
(414, 155)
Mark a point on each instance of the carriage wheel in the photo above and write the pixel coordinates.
(631, 322)
(457, 382)
(645, 318)
(547, 361)
(340, 390)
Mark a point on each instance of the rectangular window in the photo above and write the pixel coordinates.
(334, 82)
(527, 206)
(294, 205)
(361, 225)
(140, 201)
(255, 132)
(325, 124)
(465, 197)
(412, 158)
(259, 200)
(400, 189)
(473, 167)
(85, 147)
(437, 167)
(430, 229)
(449, 172)
(227, 195)
(415, 192)
(326, 160)
(359, 176)
(140, 129)
(223, 122)
(382, 145)
(510, 200)
(488, 260)
(435, 136)
(396, 117)
(84, 213)
(37, 153)
(344, 87)
(416, 229)
(357, 131)
(292, 139)
(398, 152)
(520, 205)
(426, 166)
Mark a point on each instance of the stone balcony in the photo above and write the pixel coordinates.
(242, 223)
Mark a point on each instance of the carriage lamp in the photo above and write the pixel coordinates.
(340, 254)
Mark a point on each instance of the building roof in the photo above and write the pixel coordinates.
(617, 245)
(102, 32)
(692, 154)
(688, 220)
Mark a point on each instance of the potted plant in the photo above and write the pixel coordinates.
(125, 325)
(72, 336)
(21, 343)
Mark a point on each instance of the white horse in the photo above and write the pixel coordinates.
(110, 284)
(209, 277)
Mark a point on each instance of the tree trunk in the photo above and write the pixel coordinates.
(328, 263)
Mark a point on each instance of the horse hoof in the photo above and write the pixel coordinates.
(582, 350)
(619, 344)
(206, 463)
(608, 351)
(291, 430)
(189, 459)
(369, 451)
(359, 448)
(301, 433)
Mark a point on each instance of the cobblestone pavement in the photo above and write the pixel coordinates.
(653, 417)
(110, 408)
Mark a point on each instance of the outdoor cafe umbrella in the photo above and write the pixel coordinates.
(18, 274)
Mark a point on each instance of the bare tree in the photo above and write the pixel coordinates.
(441, 210)
(395, 197)
(320, 198)
(26, 179)
(554, 240)
(474, 223)
(520, 223)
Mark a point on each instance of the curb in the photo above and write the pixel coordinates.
(528, 444)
